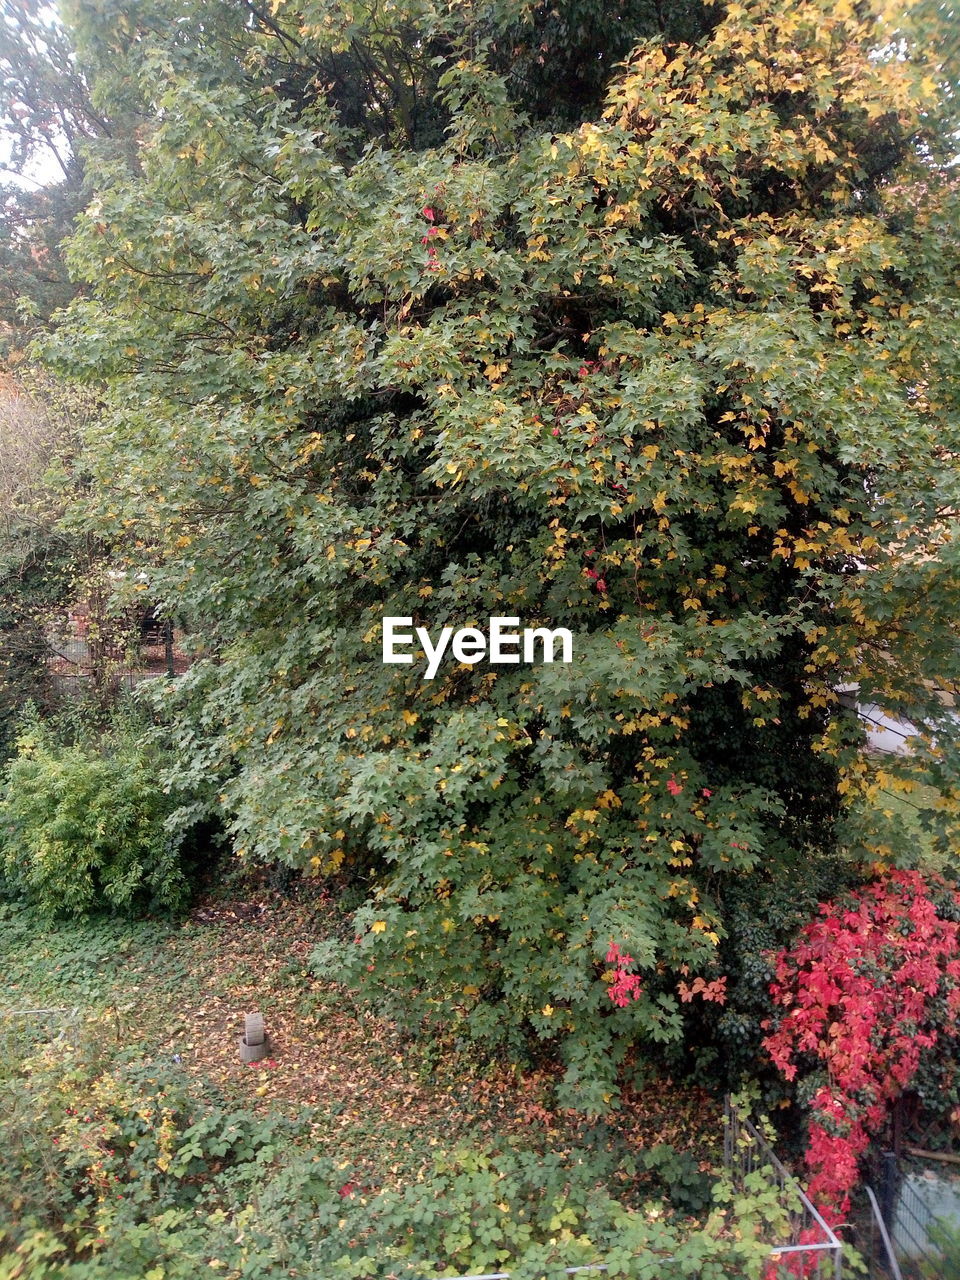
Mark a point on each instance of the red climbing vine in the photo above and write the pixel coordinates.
(868, 986)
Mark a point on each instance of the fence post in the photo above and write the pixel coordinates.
(168, 647)
(892, 1264)
(888, 1186)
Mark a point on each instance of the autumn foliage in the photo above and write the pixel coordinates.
(645, 328)
(870, 985)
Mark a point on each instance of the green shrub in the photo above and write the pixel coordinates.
(123, 1169)
(83, 827)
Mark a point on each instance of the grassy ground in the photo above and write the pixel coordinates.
(177, 993)
(164, 1000)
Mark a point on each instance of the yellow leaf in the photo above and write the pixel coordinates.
(378, 926)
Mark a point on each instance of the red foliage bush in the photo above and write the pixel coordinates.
(868, 986)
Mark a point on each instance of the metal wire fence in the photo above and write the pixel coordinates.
(77, 665)
(893, 1228)
(874, 1241)
(811, 1249)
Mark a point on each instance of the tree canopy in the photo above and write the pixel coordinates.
(632, 318)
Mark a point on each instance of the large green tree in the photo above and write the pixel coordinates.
(631, 318)
(46, 119)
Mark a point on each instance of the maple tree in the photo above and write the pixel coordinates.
(396, 320)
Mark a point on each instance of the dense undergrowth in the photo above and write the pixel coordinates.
(645, 329)
(146, 1149)
(87, 824)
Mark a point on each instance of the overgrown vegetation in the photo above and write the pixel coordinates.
(170, 1184)
(121, 1161)
(666, 360)
(634, 319)
(868, 1001)
(41, 562)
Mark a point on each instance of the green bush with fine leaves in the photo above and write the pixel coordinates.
(83, 828)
